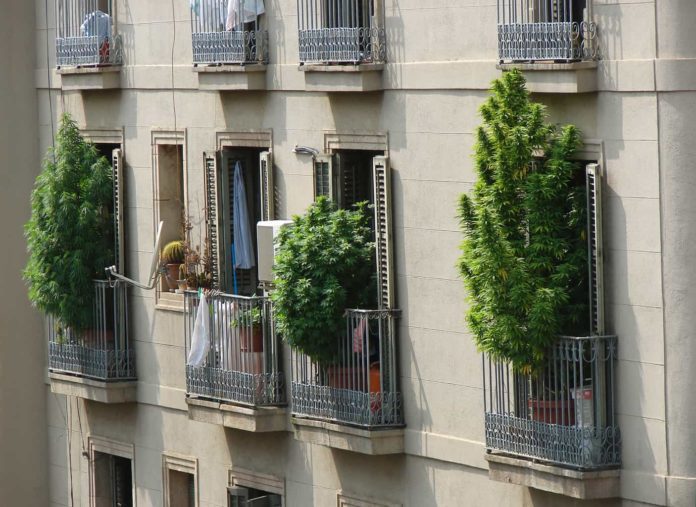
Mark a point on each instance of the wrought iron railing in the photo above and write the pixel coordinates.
(86, 33)
(362, 387)
(243, 362)
(556, 30)
(564, 414)
(341, 31)
(228, 32)
(102, 352)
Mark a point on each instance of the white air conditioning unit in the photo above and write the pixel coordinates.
(266, 233)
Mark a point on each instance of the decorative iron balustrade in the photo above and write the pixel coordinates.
(556, 30)
(87, 33)
(565, 414)
(102, 352)
(243, 363)
(362, 387)
(228, 32)
(341, 31)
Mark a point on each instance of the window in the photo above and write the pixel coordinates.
(341, 31)
(111, 473)
(244, 172)
(180, 480)
(351, 176)
(169, 164)
(251, 489)
(530, 30)
(87, 33)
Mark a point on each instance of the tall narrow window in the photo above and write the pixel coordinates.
(180, 480)
(113, 481)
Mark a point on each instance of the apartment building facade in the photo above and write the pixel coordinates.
(353, 100)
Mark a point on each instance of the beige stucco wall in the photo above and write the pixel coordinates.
(23, 470)
(442, 57)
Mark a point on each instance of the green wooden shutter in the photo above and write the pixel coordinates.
(267, 189)
(212, 216)
(595, 247)
(381, 174)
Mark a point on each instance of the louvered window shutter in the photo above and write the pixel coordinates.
(119, 224)
(323, 177)
(381, 174)
(595, 247)
(267, 190)
(211, 215)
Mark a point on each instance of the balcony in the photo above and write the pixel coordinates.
(354, 404)
(230, 50)
(88, 48)
(240, 383)
(342, 44)
(556, 430)
(98, 363)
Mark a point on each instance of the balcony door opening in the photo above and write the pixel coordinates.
(113, 481)
(240, 181)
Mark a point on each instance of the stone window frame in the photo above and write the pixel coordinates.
(349, 500)
(245, 478)
(115, 448)
(172, 461)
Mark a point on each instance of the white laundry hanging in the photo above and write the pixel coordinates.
(243, 11)
(243, 244)
(200, 339)
(96, 23)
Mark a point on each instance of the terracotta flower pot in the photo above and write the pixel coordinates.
(553, 411)
(251, 340)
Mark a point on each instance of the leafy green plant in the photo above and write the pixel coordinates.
(524, 256)
(324, 264)
(250, 316)
(70, 232)
(173, 252)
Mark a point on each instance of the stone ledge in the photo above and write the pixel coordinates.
(94, 390)
(90, 78)
(343, 78)
(254, 419)
(231, 77)
(589, 485)
(349, 438)
(549, 77)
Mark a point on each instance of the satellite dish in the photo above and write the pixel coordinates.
(154, 265)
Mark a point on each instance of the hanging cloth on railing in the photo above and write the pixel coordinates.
(250, 10)
(96, 23)
(195, 6)
(243, 244)
(200, 339)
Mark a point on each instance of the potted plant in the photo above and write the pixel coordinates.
(324, 264)
(248, 324)
(70, 232)
(173, 258)
(524, 256)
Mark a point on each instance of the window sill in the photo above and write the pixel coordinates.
(349, 438)
(343, 78)
(90, 78)
(253, 419)
(231, 77)
(170, 301)
(549, 77)
(94, 390)
(583, 485)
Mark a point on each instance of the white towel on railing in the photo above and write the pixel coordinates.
(250, 9)
(200, 339)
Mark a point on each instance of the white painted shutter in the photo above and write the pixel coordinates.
(595, 247)
(119, 224)
(381, 174)
(211, 215)
(267, 190)
(323, 176)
